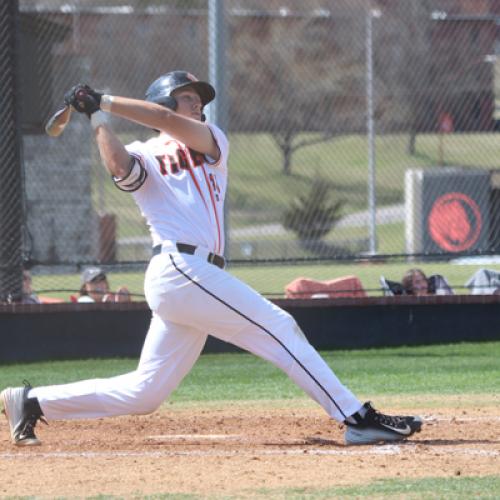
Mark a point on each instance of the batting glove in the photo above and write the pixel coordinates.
(84, 99)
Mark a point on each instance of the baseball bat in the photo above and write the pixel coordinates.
(58, 121)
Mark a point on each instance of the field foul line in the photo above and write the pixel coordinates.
(434, 418)
(197, 437)
(377, 450)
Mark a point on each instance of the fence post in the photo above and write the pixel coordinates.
(370, 125)
(11, 191)
(218, 110)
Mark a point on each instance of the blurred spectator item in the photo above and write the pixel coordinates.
(439, 286)
(107, 238)
(415, 282)
(484, 282)
(390, 287)
(121, 295)
(306, 288)
(95, 288)
(28, 296)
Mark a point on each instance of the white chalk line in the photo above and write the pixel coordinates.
(196, 437)
(412, 448)
(434, 418)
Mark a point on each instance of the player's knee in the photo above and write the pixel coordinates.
(292, 328)
(144, 399)
(144, 406)
(145, 410)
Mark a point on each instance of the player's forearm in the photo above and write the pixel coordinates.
(114, 156)
(193, 133)
(142, 112)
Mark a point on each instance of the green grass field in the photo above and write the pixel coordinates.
(463, 488)
(466, 368)
(343, 161)
(425, 375)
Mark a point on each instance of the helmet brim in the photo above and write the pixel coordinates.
(203, 89)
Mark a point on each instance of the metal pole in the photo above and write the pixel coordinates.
(11, 187)
(217, 111)
(370, 125)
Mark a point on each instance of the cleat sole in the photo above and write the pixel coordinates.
(27, 442)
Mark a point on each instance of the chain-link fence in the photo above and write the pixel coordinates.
(357, 128)
(11, 198)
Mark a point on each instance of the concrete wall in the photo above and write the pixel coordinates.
(78, 331)
(60, 218)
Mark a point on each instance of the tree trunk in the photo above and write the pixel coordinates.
(412, 141)
(287, 160)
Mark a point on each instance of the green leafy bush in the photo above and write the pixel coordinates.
(311, 216)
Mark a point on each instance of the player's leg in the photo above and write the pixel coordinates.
(206, 297)
(232, 311)
(168, 354)
(300, 361)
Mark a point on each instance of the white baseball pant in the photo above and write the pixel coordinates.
(191, 298)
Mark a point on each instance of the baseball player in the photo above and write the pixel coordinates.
(178, 179)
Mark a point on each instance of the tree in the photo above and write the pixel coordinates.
(297, 89)
(415, 76)
(313, 215)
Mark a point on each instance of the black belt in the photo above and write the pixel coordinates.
(213, 258)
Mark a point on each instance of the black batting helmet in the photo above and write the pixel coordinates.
(160, 91)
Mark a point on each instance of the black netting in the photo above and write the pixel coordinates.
(354, 131)
(11, 199)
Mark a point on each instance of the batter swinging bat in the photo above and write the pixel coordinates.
(58, 121)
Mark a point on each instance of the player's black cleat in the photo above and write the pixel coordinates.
(22, 414)
(375, 427)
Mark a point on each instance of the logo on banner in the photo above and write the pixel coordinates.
(455, 222)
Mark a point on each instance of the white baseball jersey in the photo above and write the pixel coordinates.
(182, 198)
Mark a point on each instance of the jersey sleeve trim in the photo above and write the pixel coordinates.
(135, 178)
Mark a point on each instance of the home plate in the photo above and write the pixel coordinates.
(195, 437)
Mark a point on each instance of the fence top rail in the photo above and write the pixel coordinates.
(393, 301)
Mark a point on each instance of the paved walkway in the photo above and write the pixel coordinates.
(384, 215)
